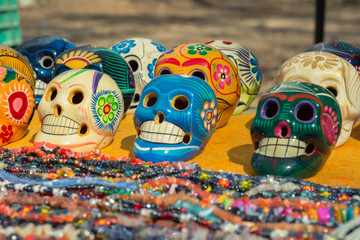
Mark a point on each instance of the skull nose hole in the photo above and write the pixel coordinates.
(256, 145)
(159, 118)
(83, 129)
(310, 148)
(187, 138)
(284, 131)
(57, 110)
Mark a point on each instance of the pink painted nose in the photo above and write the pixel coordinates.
(282, 130)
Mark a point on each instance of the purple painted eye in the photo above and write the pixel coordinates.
(270, 108)
(305, 112)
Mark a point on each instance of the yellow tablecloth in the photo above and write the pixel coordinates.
(230, 149)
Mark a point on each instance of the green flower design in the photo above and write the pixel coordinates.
(201, 48)
(106, 108)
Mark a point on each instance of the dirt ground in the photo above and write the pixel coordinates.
(274, 30)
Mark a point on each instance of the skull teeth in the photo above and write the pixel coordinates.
(59, 125)
(281, 147)
(39, 87)
(166, 132)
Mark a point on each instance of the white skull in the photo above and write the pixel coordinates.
(333, 73)
(141, 54)
(80, 110)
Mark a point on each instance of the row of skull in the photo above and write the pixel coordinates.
(228, 75)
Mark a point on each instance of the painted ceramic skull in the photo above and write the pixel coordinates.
(141, 54)
(12, 58)
(333, 73)
(17, 105)
(295, 129)
(81, 110)
(175, 119)
(344, 50)
(103, 60)
(211, 65)
(248, 70)
(42, 52)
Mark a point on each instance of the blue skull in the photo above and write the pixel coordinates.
(42, 52)
(175, 119)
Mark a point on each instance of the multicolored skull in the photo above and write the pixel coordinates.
(141, 54)
(295, 129)
(342, 49)
(248, 70)
(12, 58)
(211, 65)
(42, 52)
(175, 119)
(103, 60)
(333, 73)
(17, 105)
(81, 110)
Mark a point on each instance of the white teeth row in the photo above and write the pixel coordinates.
(59, 125)
(40, 87)
(166, 132)
(281, 147)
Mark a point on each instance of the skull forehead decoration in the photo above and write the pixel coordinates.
(248, 70)
(17, 105)
(175, 119)
(344, 50)
(103, 60)
(211, 65)
(81, 110)
(12, 58)
(141, 54)
(42, 52)
(333, 73)
(295, 129)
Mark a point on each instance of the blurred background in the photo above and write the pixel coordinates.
(274, 30)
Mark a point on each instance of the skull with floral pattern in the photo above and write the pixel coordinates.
(333, 73)
(175, 119)
(81, 110)
(141, 54)
(211, 65)
(248, 69)
(295, 129)
(17, 105)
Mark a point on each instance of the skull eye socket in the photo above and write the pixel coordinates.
(76, 97)
(270, 108)
(305, 112)
(46, 62)
(333, 90)
(165, 72)
(51, 94)
(134, 65)
(198, 74)
(180, 102)
(150, 100)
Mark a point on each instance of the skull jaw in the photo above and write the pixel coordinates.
(301, 166)
(72, 142)
(152, 152)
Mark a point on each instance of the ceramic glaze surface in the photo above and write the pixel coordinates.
(295, 129)
(42, 52)
(207, 63)
(248, 70)
(11, 58)
(141, 54)
(344, 50)
(335, 74)
(103, 60)
(175, 119)
(81, 110)
(17, 105)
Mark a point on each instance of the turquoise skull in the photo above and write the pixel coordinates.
(175, 118)
(295, 129)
